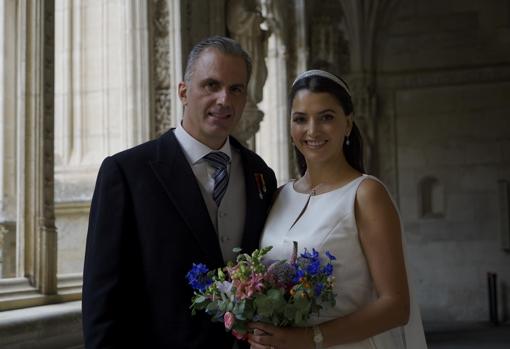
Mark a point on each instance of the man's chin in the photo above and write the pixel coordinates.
(220, 129)
(217, 135)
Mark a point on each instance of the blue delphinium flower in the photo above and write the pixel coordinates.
(299, 274)
(330, 256)
(318, 289)
(197, 277)
(314, 267)
(328, 269)
(313, 255)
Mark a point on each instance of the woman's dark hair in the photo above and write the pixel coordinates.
(315, 83)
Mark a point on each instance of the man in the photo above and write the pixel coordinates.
(163, 205)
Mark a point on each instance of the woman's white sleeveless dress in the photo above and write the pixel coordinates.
(328, 224)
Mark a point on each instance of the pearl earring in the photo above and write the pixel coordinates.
(347, 141)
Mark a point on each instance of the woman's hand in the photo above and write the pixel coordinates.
(266, 336)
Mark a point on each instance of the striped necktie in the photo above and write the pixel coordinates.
(219, 161)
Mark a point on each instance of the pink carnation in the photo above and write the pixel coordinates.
(229, 320)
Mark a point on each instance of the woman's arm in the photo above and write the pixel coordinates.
(380, 236)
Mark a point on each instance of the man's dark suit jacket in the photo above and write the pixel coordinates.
(148, 224)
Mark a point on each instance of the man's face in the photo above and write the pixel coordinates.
(214, 99)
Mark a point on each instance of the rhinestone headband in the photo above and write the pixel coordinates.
(324, 74)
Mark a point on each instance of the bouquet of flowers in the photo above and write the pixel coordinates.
(282, 293)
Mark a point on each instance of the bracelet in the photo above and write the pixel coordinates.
(318, 338)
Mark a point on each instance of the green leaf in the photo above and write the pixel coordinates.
(211, 307)
(270, 303)
(223, 305)
(199, 299)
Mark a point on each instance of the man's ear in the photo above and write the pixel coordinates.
(183, 93)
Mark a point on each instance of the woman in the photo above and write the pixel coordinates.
(335, 207)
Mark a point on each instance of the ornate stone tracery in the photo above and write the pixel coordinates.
(244, 21)
(328, 47)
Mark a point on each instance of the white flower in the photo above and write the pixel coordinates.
(224, 287)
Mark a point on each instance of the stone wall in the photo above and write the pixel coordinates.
(444, 77)
(46, 327)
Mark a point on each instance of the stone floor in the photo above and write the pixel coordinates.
(468, 336)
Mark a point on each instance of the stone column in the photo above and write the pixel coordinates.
(37, 236)
(363, 19)
(7, 138)
(272, 140)
(102, 82)
(137, 67)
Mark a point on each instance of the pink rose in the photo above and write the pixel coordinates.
(229, 320)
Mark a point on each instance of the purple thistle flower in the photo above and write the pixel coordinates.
(280, 274)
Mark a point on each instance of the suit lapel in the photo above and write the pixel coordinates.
(255, 207)
(177, 179)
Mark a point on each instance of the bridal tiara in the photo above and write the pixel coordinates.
(324, 74)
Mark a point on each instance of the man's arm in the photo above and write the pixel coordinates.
(102, 276)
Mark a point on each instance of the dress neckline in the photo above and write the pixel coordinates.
(327, 192)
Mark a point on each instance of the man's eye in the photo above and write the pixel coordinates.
(211, 85)
(237, 90)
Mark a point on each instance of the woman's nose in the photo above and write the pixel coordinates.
(312, 127)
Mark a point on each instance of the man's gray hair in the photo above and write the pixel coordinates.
(224, 45)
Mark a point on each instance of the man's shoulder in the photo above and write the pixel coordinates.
(148, 151)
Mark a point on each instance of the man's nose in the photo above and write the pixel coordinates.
(223, 97)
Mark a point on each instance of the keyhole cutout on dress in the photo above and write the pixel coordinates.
(302, 211)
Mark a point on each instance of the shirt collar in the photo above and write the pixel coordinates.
(195, 150)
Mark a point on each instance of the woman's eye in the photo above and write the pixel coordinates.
(298, 119)
(327, 117)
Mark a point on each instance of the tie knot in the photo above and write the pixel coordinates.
(217, 159)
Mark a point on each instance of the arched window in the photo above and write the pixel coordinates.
(432, 198)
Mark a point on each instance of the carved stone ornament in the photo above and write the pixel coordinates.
(249, 123)
(162, 75)
(243, 22)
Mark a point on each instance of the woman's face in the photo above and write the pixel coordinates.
(318, 126)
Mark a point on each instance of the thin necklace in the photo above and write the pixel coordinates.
(314, 190)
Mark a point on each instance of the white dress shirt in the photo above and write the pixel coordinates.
(228, 218)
